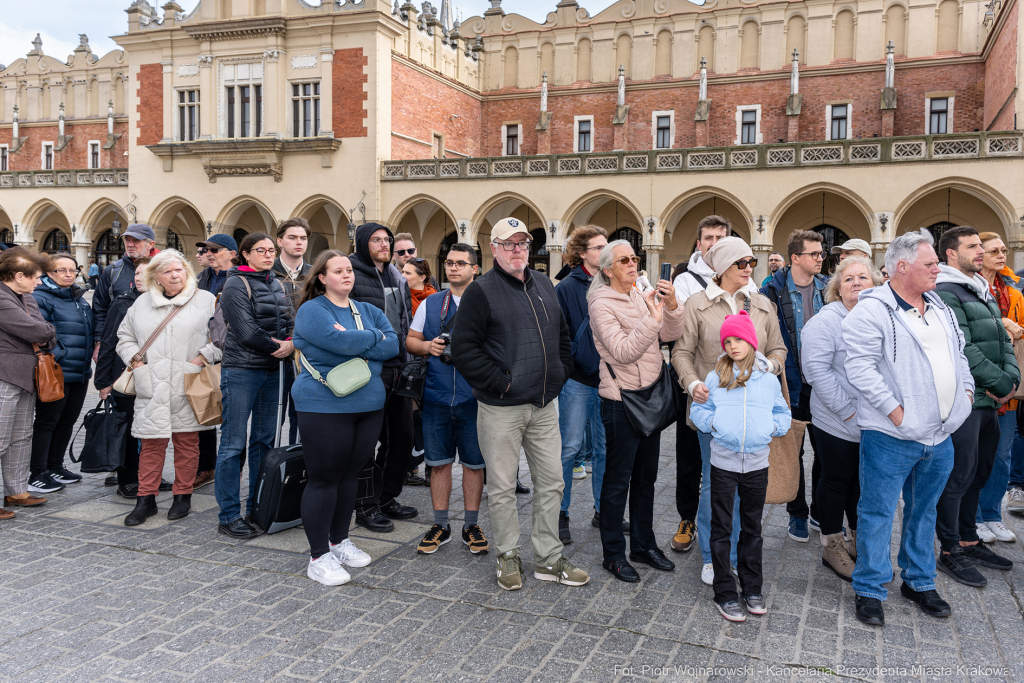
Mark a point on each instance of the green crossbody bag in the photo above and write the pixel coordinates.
(346, 377)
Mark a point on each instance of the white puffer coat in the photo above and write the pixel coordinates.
(160, 404)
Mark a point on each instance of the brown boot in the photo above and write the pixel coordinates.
(851, 543)
(6, 514)
(26, 501)
(203, 478)
(835, 556)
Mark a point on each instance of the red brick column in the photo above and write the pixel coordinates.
(701, 134)
(888, 118)
(151, 104)
(793, 132)
(349, 116)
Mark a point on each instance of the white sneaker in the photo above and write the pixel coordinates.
(327, 570)
(349, 555)
(1001, 532)
(707, 574)
(1015, 503)
(984, 534)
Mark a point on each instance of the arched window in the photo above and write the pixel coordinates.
(831, 237)
(539, 251)
(936, 229)
(239, 235)
(56, 243)
(6, 236)
(449, 241)
(174, 242)
(108, 249)
(636, 240)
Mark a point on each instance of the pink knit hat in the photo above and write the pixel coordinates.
(741, 326)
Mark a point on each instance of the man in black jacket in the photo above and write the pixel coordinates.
(513, 347)
(118, 278)
(221, 250)
(379, 283)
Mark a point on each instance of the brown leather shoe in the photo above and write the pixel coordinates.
(203, 478)
(28, 501)
(7, 514)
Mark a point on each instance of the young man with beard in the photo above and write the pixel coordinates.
(380, 283)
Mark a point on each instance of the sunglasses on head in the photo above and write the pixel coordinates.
(743, 263)
(403, 252)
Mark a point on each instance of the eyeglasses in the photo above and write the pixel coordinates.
(456, 264)
(626, 260)
(212, 250)
(265, 251)
(64, 271)
(600, 246)
(992, 252)
(744, 263)
(381, 240)
(403, 252)
(512, 246)
(816, 255)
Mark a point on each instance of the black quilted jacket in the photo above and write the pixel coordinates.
(253, 324)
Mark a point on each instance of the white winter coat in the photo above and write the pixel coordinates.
(160, 404)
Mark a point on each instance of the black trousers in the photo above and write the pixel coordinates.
(798, 506)
(383, 477)
(128, 473)
(207, 450)
(631, 468)
(974, 451)
(293, 418)
(839, 487)
(752, 487)
(688, 470)
(53, 427)
(336, 447)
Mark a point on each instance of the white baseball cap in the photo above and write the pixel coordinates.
(506, 227)
(853, 245)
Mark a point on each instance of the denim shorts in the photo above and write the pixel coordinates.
(447, 429)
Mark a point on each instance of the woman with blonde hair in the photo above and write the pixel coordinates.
(164, 337)
(833, 408)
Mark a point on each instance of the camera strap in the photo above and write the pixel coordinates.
(444, 312)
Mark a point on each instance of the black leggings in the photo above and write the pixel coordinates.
(335, 448)
(839, 488)
(53, 425)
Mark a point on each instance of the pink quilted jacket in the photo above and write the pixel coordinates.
(626, 337)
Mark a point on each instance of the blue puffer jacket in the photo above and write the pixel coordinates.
(745, 419)
(444, 383)
(72, 317)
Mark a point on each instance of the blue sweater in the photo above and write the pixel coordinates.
(325, 347)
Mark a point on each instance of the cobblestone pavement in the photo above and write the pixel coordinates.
(83, 598)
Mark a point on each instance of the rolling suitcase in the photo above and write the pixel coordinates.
(281, 482)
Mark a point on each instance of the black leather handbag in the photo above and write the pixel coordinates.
(413, 379)
(652, 408)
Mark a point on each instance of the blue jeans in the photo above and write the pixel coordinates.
(1016, 460)
(579, 408)
(447, 429)
(991, 501)
(246, 392)
(704, 506)
(888, 465)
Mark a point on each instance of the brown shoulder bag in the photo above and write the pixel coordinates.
(49, 376)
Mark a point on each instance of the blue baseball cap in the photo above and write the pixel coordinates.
(220, 241)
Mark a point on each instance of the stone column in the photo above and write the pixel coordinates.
(703, 107)
(81, 249)
(554, 260)
(1018, 254)
(273, 93)
(879, 248)
(207, 94)
(326, 92)
(761, 252)
(169, 104)
(653, 267)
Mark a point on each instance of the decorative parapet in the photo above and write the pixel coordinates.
(65, 178)
(237, 29)
(911, 149)
(246, 157)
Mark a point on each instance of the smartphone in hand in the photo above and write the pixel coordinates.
(666, 271)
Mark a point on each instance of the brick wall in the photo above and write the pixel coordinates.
(349, 93)
(819, 87)
(1000, 76)
(74, 155)
(422, 105)
(151, 104)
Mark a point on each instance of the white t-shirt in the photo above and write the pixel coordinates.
(420, 319)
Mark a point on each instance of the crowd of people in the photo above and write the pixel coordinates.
(907, 379)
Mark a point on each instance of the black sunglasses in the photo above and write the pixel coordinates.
(403, 252)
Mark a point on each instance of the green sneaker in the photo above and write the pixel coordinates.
(562, 572)
(510, 571)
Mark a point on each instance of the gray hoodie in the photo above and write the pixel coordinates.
(976, 283)
(823, 359)
(887, 366)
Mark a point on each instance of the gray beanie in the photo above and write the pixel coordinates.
(726, 252)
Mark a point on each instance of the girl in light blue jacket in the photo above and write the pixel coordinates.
(744, 410)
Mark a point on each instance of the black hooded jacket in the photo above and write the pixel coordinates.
(253, 324)
(370, 283)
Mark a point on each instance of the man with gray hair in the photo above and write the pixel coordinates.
(118, 279)
(906, 359)
(512, 345)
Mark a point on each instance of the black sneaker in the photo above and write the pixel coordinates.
(44, 483)
(128, 490)
(960, 567)
(110, 479)
(65, 476)
(929, 601)
(979, 553)
(563, 528)
(473, 537)
(435, 537)
(870, 612)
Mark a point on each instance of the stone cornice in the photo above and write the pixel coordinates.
(246, 146)
(237, 29)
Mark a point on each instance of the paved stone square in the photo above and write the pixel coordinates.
(83, 598)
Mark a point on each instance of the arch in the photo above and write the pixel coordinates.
(584, 50)
(40, 211)
(896, 28)
(796, 34)
(596, 198)
(678, 221)
(821, 205)
(329, 222)
(242, 209)
(166, 210)
(56, 241)
(705, 47)
(547, 59)
(511, 59)
(1002, 209)
(428, 221)
(663, 54)
(750, 45)
(948, 31)
(843, 39)
(816, 188)
(410, 203)
(90, 222)
(623, 55)
(672, 213)
(501, 206)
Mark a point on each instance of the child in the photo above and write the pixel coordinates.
(744, 410)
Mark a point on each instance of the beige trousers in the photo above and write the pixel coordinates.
(502, 431)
